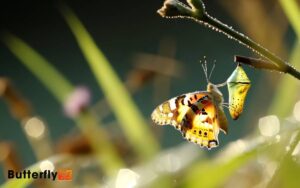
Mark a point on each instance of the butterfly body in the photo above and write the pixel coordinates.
(198, 115)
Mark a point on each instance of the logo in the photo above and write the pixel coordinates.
(65, 174)
(60, 175)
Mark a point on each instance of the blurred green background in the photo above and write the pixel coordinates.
(126, 30)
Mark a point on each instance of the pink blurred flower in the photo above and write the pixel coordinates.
(77, 101)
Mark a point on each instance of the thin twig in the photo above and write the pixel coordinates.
(256, 63)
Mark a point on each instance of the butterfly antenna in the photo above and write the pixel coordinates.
(212, 69)
(204, 67)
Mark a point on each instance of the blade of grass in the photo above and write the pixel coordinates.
(292, 11)
(128, 115)
(55, 82)
(106, 153)
(25, 182)
(38, 65)
(287, 88)
(285, 174)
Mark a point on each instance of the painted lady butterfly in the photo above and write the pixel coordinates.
(199, 115)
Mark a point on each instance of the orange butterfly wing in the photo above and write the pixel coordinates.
(172, 111)
(194, 114)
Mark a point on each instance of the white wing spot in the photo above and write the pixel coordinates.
(185, 100)
(172, 104)
(170, 114)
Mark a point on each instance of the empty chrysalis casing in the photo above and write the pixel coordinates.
(238, 85)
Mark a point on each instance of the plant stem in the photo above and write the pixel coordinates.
(231, 33)
(196, 11)
(255, 47)
(294, 72)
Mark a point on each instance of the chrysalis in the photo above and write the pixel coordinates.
(238, 85)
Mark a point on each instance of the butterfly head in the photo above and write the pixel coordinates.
(214, 90)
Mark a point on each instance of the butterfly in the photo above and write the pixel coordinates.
(198, 115)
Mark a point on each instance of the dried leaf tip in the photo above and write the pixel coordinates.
(174, 8)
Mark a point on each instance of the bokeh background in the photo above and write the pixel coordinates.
(140, 44)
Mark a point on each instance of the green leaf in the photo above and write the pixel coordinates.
(210, 174)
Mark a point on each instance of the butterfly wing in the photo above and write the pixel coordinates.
(172, 111)
(200, 124)
(194, 114)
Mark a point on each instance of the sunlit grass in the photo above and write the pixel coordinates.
(39, 66)
(288, 87)
(133, 124)
(291, 9)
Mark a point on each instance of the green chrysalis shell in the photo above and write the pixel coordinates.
(238, 85)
